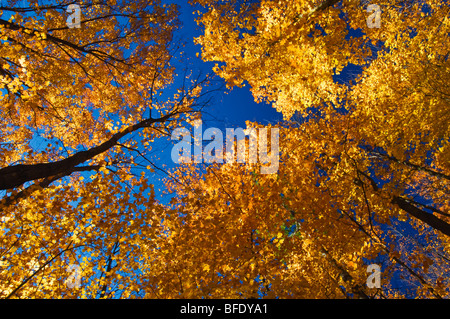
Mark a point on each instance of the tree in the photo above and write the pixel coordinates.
(309, 231)
(80, 110)
(266, 235)
(409, 107)
(379, 140)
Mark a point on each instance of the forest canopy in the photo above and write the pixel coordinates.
(364, 155)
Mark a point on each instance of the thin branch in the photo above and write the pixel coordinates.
(39, 269)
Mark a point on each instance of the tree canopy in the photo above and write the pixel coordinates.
(364, 167)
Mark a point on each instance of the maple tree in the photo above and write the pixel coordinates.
(377, 145)
(307, 232)
(364, 163)
(81, 109)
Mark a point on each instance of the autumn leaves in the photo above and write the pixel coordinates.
(330, 179)
(358, 173)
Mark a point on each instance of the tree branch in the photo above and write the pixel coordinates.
(415, 166)
(38, 270)
(16, 175)
(418, 213)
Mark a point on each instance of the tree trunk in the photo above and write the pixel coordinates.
(422, 215)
